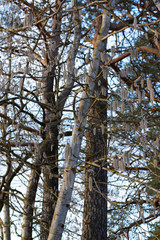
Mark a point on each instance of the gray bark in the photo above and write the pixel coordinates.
(6, 219)
(49, 147)
(64, 198)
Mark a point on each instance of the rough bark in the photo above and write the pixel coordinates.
(64, 198)
(95, 205)
(50, 180)
(49, 150)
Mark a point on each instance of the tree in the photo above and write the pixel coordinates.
(95, 204)
(46, 75)
(127, 81)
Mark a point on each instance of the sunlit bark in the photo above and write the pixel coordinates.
(64, 198)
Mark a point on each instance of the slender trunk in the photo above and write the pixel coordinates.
(50, 143)
(6, 219)
(6, 212)
(30, 200)
(1, 229)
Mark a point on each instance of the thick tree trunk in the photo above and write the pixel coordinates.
(50, 181)
(95, 205)
(49, 151)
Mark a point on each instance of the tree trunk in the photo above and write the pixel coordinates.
(50, 143)
(95, 205)
(6, 219)
(30, 200)
(50, 181)
(1, 229)
(64, 198)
